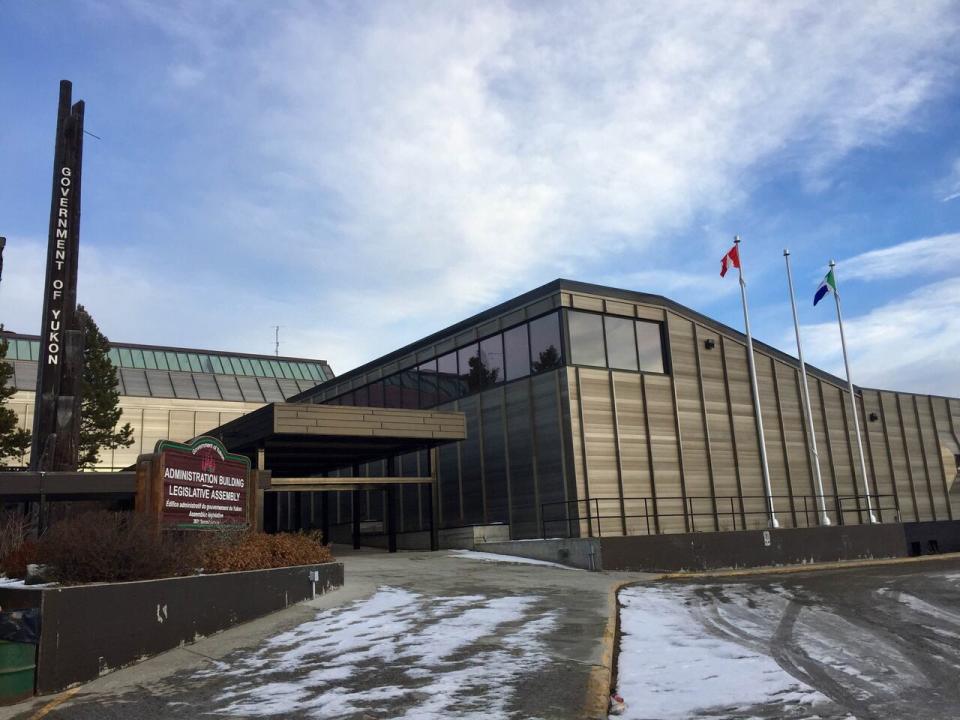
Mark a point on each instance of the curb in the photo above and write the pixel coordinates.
(600, 682)
(812, 567)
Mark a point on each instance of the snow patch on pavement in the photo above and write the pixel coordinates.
(669, 667)
(494, 557)
(414, 657)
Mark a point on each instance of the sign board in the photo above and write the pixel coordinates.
(203, 486)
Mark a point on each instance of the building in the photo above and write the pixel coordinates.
(597, 411)
(173, 393)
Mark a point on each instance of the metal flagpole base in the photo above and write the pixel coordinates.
(774, 523)
(825, 521)
(873, 519)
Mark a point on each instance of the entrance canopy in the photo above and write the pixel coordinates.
(301, 440)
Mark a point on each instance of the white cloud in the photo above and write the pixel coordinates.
(405, 164)
(911, 343)
(933, 255)
(952, 183)
(473, 150)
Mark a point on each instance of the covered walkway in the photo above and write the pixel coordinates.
(301, 445)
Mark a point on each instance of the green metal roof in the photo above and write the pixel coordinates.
(196, 361)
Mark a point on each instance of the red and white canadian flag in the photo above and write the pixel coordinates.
(731, 259)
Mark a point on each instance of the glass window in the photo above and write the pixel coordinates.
(277, 370)
(469, 370)
(393, 392)
(150, 359)
(427, 373)
(195, 362)
(206, 363)
(287, 371)
(312, 369)
(34, 349)
(516, 351)
(247, 367)
(125, 359)
(491, 360)
(650, 346)
(448, 384)
(305, 371)
(114, 356)
(137, 356)
(216, 364)
(375, 390)
(183, 361)
(361, 396)
(235, 365)
(161, 359)
(545, 346)
(21, 348)
(621, 345)
(586, 339)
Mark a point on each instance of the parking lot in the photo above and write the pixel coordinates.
(870, 642)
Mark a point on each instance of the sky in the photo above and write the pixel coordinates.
(365, 174)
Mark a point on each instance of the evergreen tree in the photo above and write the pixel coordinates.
(14, 440)
(99, 399)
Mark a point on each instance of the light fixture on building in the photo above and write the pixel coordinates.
(709, 344)
(874, 417)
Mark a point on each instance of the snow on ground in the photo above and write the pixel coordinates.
(493, 557)
(671, 666)
(417, 658)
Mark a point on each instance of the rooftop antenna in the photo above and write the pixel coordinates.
(276, 340)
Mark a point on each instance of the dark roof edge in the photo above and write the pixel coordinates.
(561, 285)
(167, 348)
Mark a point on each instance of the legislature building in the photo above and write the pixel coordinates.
(597, 411)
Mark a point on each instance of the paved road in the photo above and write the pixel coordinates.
(414, 635)
(873, 642)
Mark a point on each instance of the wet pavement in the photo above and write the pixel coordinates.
(415, 635)
(872, 642)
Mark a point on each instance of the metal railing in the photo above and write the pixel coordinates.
(705, 513)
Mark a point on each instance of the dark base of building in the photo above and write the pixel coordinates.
(741, 549)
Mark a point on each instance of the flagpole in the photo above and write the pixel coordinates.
(824, 519)
(853, 397)
(756, 391)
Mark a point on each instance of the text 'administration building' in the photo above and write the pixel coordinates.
(594, 411)
(173, 393)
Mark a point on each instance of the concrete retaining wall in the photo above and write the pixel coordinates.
(752, 548)
(584, 553)
(90, 630)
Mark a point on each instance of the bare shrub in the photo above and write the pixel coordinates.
(14, 564)
(111, 547)
(257, 551)
(14, 528)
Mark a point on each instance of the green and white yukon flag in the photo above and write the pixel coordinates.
(829, 285)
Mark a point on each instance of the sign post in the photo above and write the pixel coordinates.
(56, 420)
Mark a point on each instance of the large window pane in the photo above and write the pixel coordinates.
(516, 351)
(393, 392)
(428, 384)
(125, 359)
(545, 343)
(114, 356)
(448, 383)
(361, 396)
(491, 361)
(468, 366)
(149, 359)
(161, 359)
(621, 345)
(376, 394)
(650, 346)
(586, 339)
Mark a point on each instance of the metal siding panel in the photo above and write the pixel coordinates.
(207, 387)
(183, 385)
(159, 382)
